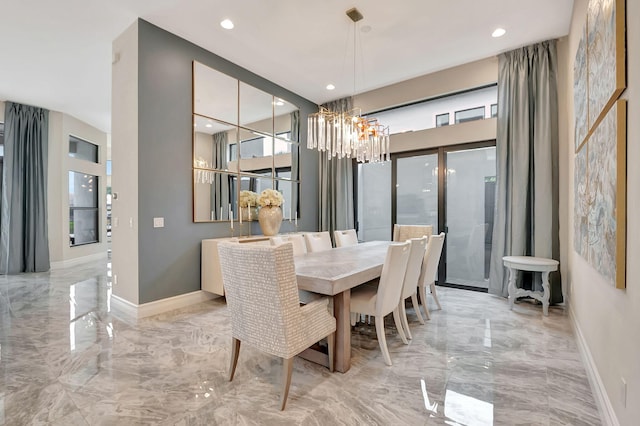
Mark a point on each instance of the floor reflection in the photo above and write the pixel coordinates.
(462, 409)
(474, 363)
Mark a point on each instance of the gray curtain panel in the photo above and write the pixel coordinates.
(336, 184)
(526, 216)
(24, 239)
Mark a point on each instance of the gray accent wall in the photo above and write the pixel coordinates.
(169, 257)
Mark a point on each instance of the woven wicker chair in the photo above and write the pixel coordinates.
(299, 244)
(405, 232)
(318, 241)
(382, 300)
(430, 270)
(345, 238)
(410, 283)
(262, 296)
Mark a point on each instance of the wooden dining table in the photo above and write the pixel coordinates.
(334, 273)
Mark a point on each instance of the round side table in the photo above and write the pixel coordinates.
(532, 264)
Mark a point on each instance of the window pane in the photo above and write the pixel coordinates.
(83, 226)
(374, 201)
(442, 120)
(494, 110)
(83, 150)
(470, 200)
(83, 190)
(417, 191)
(470, 115)
(423, 115)
(83, 208)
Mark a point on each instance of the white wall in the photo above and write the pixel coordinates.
(608, 319)
(64, 127)
(124, 155)
(452, 80)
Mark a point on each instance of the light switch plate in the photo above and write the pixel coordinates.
(158, 222)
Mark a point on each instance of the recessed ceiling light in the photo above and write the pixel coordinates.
(330, 86)
(498, 32)
(278, 102)
(208, 125)
(226, 24)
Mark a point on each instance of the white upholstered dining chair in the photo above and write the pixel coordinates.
(318, 241)
(429, 271)
(382, 300)
(262, 295)
(299, 244)
(405, 232)
(417, 251)
(345, 238)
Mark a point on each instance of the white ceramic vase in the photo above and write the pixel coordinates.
(270, 218)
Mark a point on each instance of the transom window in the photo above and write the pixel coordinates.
(79, 148)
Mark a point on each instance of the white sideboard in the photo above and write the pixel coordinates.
(210, 273)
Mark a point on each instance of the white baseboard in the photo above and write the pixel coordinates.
(77, 261)
(607, 414)
(159, 306)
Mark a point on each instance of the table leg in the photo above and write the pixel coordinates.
(341, 310)
(545, 293)
(511, 288)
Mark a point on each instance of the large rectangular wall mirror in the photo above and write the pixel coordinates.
(243, 139)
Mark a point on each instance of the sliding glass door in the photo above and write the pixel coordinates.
(416, 190)
(374, 201)
(451, 188)
(469, 201)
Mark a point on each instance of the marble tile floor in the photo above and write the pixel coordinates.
(66, 359)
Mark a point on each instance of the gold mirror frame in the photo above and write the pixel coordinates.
(243, 139)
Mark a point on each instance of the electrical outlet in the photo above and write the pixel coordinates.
(158, 222)
(623, 392)
(115, 279)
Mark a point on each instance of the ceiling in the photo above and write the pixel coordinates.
(57, 54)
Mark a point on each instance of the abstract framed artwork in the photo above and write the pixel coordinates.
(599, 71)
(605, 197)
(581, 205)
(606, 57)
(580, 95)
(601, 141)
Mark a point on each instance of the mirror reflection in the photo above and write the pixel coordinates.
(241, 134)
(215, 94)
(216, 194)
(256, 109)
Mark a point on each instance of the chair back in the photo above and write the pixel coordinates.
(418, 247)
(318, 241)
(299, 244)
(262, 294)
(431, 259)
(345, 238)
(390, 285)
(406, 232)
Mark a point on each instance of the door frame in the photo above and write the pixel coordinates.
(441, 152)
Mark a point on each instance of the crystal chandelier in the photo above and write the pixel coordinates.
(346, 134)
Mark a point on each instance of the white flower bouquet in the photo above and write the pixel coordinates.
(248, 199)
(270, 198)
